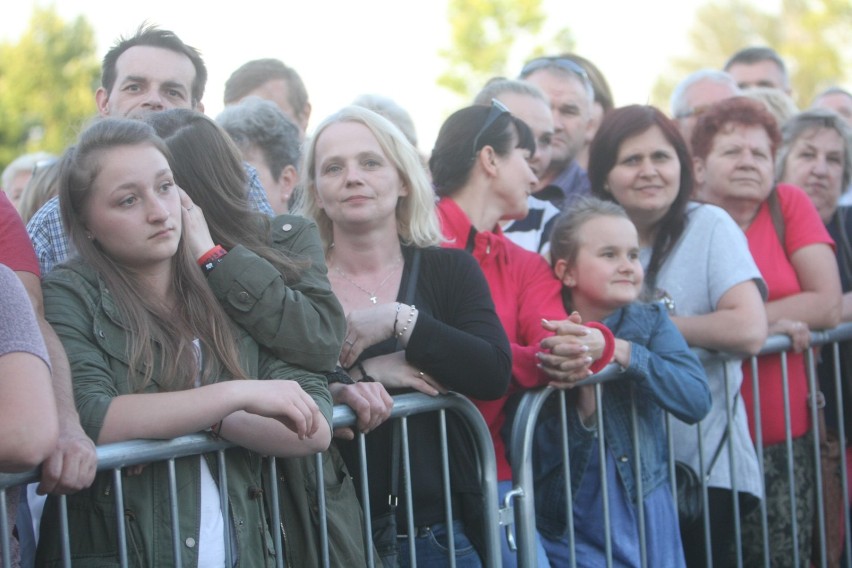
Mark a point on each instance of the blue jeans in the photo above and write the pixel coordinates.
(510, 557)
(431, 545)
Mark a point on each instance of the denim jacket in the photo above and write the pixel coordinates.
(663, 375)
(87, 320)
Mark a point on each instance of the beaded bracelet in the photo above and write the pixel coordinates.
(411, 313)
(396, 317)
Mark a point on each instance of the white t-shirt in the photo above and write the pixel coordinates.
(711, 257)
(211, 535)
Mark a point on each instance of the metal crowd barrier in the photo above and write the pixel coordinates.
(115, 457)
(520, 447)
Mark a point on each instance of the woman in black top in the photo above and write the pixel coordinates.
(369, 194)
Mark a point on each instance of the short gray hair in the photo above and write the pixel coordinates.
(23, 163)
(811, 120)
(499, 85)
(391, 110)
(678, 103)
(258, 123)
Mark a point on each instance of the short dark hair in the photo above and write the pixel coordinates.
(257, 72)
(151, 35)
(752, 55)
(259, 123)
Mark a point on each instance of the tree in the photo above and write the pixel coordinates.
(810, 35)
(46, 85)
(485, 34)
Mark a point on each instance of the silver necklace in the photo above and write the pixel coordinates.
(373, 298)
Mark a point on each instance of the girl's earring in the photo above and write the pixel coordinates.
(570, 282)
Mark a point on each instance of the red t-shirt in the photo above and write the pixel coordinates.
(802, 227)
(524, 291)
(16, 249)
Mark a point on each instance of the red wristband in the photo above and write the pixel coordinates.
(609, 346)
(216, 252)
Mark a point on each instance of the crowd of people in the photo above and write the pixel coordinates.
(172, 273)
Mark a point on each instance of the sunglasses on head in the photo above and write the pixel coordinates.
(498, 109)
(560, 62)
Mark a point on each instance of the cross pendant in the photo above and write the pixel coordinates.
(373, 299)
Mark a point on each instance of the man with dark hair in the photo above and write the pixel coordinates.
(758, 67)
(271, 79)
(270, 142)
(150, 71)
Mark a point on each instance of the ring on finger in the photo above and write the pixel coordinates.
(421, 374)
(349, 342)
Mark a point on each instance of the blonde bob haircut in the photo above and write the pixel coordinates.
(416, 218)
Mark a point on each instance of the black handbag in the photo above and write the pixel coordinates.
(690, 500)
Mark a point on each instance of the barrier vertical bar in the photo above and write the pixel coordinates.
(637, 472)
(566, 464)
(604, 485)
(409, 506)
(323, 516)
(813, 404)
(365, 491)
(276, 512)
(5, 543)
(448, 499)
(173, 507)
(119, 514)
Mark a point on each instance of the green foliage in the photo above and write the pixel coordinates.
(47, 81)
(810, 35)
(485, 34)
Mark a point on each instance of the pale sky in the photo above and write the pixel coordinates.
(390, 47)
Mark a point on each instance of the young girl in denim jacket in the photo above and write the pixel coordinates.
(595, 252)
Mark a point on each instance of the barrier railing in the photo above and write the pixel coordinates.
(115, 457)
(520, 448)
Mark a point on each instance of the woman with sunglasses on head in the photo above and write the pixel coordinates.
(481, 173)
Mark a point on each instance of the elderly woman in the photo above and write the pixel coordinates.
(697, 260)
(418, 316)
(816, 155)
(734, 146)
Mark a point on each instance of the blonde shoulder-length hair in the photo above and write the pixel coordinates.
(416, 217)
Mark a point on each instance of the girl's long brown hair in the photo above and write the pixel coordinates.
(160, 337)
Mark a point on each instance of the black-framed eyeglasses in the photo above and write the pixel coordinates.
(560, 62)
(498, 109)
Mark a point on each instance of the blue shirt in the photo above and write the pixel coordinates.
(50, 240)
(571, 184)
(663, 375)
